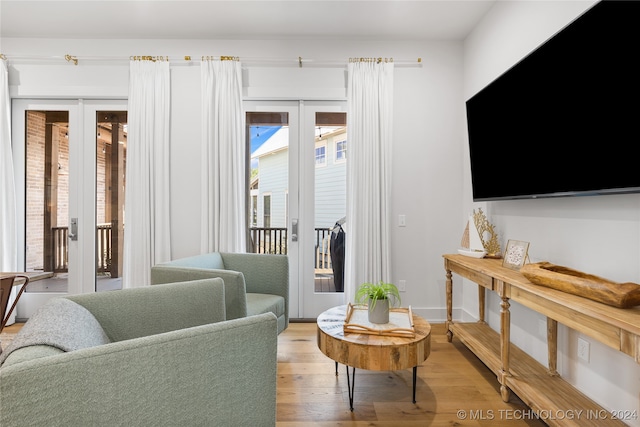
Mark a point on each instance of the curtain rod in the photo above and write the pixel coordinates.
(299, 62)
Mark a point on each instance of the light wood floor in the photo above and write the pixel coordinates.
(8, 333)
(454, 388)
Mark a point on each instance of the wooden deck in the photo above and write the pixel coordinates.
(324, 283)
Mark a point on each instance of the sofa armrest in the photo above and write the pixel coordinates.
(138, 312)
(263, 273)
(234, 284)
(221, 374)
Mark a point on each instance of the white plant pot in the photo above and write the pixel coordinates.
(379, 312)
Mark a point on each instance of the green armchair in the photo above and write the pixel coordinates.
(153, 356)
(254, 283)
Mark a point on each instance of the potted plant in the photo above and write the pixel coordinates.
(377, 296)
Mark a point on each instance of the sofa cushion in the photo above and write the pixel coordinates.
(61, 324)
(265, 303)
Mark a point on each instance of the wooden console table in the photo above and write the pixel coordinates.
(541, 388)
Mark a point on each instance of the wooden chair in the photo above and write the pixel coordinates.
(6, 284)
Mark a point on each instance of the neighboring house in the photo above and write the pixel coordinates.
(331, 176)
(272, 180)
(270, 188)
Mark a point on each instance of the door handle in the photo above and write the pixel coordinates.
(73, 229)
(294, 230)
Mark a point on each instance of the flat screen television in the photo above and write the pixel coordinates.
(565, 120)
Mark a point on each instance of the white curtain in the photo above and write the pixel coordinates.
(223, 158)
(8, 225)
(147, 226)
(369, 132)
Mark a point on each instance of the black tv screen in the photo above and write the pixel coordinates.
(565, 120)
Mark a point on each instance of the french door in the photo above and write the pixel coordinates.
(69, 161)
(297, 195)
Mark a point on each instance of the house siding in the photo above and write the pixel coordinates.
(274, 180)
(331, 187)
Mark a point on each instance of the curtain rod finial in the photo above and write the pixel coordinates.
(70, 58)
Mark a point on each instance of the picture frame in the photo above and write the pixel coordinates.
(515, 254)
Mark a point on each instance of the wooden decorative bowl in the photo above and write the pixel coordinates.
(621, 295)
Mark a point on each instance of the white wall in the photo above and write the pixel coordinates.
(599, 235)
(428, 128)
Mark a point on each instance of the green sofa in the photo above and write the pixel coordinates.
(154, 356)
(254, 283)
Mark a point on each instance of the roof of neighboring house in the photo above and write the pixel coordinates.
(277, 142)
(254, 182)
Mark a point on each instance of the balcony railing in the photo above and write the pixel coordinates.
(267, 240)
(272, 240)
(61, 248)
(323, 250)
(104, 248)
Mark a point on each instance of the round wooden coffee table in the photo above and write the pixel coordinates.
(371, 352)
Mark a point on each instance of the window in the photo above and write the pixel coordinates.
(341, 151)
(254, 210)
(321, 154)
(266, 212)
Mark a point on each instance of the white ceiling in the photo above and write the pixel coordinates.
(242, 19)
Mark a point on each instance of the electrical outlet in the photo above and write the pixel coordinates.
(583, 349)
(402, 285)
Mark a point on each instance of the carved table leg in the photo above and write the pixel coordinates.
(481, 303)
(552, 346)
(449, 305)
(505, 339)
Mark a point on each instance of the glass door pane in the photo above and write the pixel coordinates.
(47, 198)
(330, 154)
(323, 164)
(111, 149)
(268, 134)
(57, 182)
(297, 193)
(272, 131)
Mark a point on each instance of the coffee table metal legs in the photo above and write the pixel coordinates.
(351, 381)
(415, 375)
(351, 385)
